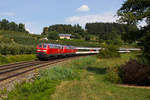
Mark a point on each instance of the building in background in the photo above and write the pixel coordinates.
(65, 36)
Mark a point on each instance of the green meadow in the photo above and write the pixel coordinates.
(79, 79)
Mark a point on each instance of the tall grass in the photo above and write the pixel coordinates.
(43, 86)
(17, 58)
(58, 73)
(83, 63)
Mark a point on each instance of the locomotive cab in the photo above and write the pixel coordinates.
(42, 51)
(42, 48)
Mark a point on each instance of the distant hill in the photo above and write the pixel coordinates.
(105, 28)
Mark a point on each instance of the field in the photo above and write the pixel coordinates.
(16, 58)
(93, 85)
(80, 79)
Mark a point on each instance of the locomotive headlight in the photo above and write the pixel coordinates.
(38, 50)
(44, 50)
(41, 50)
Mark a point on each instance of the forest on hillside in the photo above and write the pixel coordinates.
(104, 28)
(12, 26)
(64, 28)
(104, 31)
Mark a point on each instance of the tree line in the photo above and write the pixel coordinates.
(106, 31)
(63, 28)
(53, 31)
(12, 26)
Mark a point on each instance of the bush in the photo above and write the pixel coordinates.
(53, 35)
(38, 90)
(135, 73)
(109, 51)
(143, 60)
(83, 63)
(113, 75)
(58, 73)
(15, 49)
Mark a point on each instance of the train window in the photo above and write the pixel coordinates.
(40, 45)
(55, 46)
(44, 46)
(51, 46)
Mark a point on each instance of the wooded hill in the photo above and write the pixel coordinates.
(104, 31)
(63, 28)
(104, 28)
(12, 26)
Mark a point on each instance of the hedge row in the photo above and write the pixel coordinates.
(130, 73)
(15, 49)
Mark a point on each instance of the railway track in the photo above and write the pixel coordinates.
(13, 70)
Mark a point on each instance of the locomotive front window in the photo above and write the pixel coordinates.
(44, 46)
(40, 45)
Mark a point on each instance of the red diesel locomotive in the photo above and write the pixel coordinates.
(47, 50)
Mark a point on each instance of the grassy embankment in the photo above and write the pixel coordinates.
(81, 79)
(16, 58)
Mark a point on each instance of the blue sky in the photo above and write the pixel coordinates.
(36, 14)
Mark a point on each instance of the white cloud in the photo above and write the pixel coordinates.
(83, 8)
(82, 20)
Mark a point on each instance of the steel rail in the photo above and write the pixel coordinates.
(30, 67)
(13, 68)
(15, 65)
(28, 70)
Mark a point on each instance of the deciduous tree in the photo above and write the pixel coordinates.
(134, 11)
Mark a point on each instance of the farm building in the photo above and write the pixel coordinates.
(65, 36)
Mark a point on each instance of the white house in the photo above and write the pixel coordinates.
(65, 36)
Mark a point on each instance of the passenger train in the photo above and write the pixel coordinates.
(47, 50)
